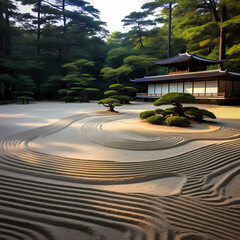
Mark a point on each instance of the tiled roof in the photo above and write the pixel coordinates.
(185, 59)
(187, 76)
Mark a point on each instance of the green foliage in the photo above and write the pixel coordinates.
(169, 112)
(139, 22)
(77, 99)
(116, 87)
(155, 119)
(111, 92)
(25, 99)
(77, 81)
(198, 114)
(70, 34)
(159, 111)
(123, 98)
(130, 90)
(178, 121)
(114, 74)
(142, 60)
(25, 87)
(122, 93)
(116, 55)
(146, 114)
(174, 98)
(91, 90)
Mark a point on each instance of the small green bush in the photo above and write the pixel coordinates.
(155, 119)
(178, 121)
(146, 114)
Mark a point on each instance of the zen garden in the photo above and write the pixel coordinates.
(129, 134)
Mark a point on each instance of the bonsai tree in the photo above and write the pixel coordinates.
(110, 103)
(122, 93)
(176, 99)
(177, 115)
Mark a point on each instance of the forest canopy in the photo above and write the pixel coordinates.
(36, 48)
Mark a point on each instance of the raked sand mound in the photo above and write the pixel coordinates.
(90, 175)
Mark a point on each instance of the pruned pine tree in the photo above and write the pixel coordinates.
(77, 81)
(123, 93)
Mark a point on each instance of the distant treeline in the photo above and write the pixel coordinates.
(62, 50)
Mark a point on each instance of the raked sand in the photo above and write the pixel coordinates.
(73, 171)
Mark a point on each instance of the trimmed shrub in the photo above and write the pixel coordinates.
(91, 89)
(122, 98)
(176, 99)
(116, 86)
(130, 90)
(178, 121)
(208, 114)
(159, 111)
(146, 114)
(155, 119)
(111, 92)
(198, 114)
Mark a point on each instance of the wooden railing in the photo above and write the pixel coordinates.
(158, 95)
(149, 95)
(209, 94)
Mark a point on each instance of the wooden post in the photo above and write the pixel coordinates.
(205, 89)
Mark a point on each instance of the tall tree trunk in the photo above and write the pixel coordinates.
(8, 37)
(222, 48)
(64, 17)
(219, 20)
(5, 38)
(169, 29)
(38, 77)
(178, 109)
(38, 25)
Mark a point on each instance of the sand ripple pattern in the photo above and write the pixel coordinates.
(93, 129)
(33, 205)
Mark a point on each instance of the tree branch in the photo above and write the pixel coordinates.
(212, 7)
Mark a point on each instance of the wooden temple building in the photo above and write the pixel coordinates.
(188, 73)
